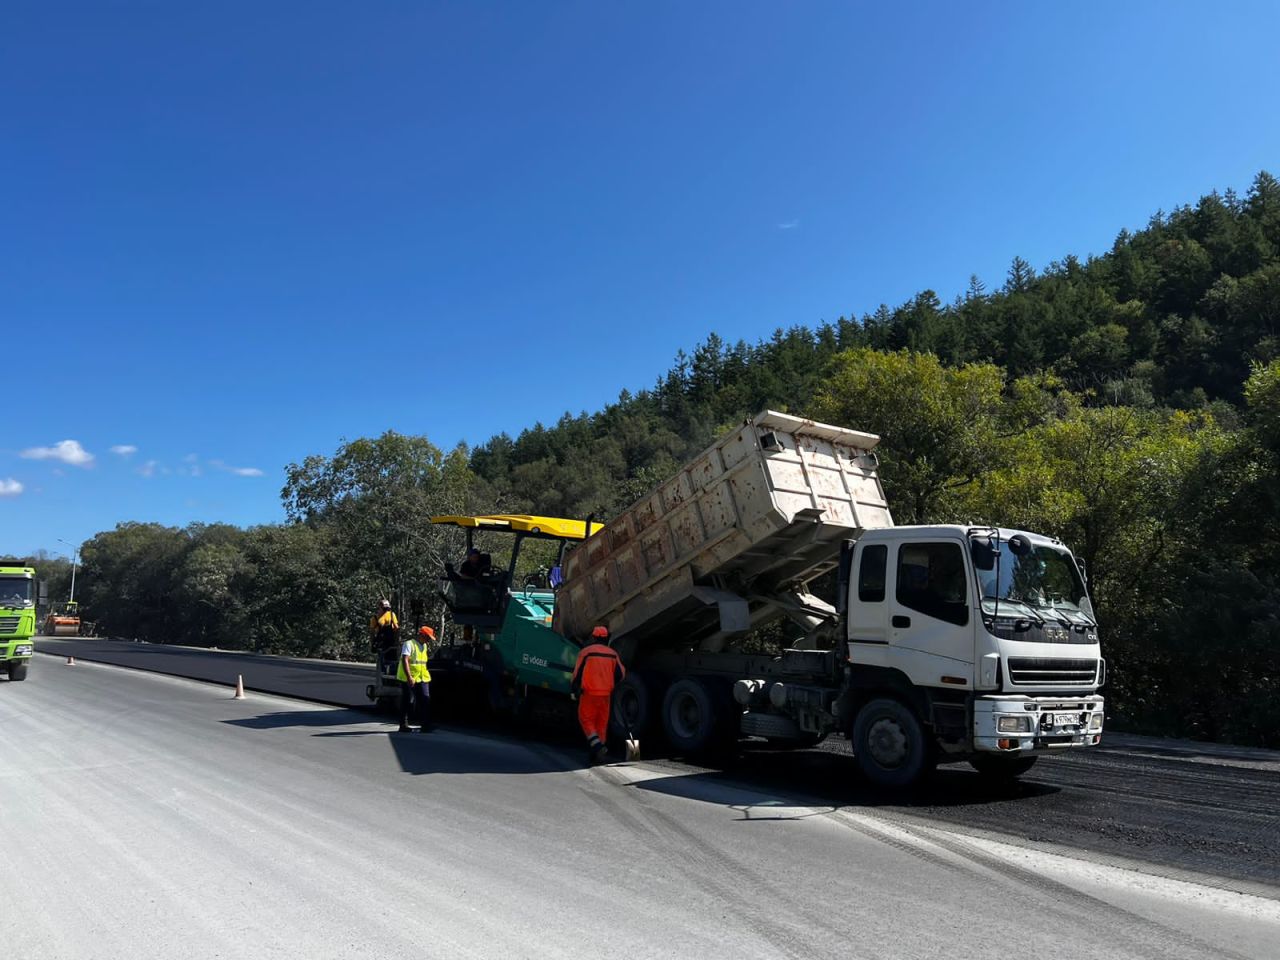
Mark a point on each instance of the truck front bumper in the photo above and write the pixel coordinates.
(16, 650)
(1012, 724)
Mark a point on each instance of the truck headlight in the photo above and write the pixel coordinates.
(22, 651)
(1095, 721)
(1020, 724)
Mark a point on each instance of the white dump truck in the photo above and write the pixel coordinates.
(945, 643)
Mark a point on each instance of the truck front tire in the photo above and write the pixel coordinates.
(997, 768)
(18, 671)
(891, 745)
(690, 718)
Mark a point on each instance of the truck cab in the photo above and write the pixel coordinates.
(19, 594)
(985, 636)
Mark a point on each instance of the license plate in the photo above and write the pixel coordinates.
(1066, 719)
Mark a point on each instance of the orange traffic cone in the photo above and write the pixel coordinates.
(239, 687)
(71, 661)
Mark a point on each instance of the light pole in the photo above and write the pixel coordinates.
(75, 554)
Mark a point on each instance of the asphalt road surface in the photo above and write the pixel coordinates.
(148, 816)
(1182, 810)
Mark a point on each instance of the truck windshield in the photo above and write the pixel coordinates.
(1044, 578)
(15, 592)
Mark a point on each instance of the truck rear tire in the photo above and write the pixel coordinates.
(996, 768)
(18, 671)
(632, 705)
(690, 718)
(891, 745)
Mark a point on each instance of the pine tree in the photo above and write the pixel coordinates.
(1021, 274)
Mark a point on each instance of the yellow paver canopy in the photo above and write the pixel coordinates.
(550, 528)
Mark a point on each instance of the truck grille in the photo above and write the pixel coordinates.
(9, 624)
(1042, 670)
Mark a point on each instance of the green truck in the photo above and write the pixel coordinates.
(19, 595)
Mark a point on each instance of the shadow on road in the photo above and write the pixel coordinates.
(801, 778)
(840, 787)
(445, 751)
(305, 718)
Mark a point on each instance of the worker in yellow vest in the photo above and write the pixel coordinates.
(415, 680)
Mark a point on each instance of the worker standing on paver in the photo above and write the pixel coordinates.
(598, 670)
(415, 681)
(384, 636)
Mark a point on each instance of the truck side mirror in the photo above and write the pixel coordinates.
(1084, 574)
(983, 553)
(42, 593)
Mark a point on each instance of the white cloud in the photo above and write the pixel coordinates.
(10, 488)
(68, 451)
(238, 471)
(788, 224)
(124, 449)
(148, 469)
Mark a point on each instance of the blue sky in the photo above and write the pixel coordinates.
(234, 234)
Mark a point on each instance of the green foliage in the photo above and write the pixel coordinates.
(360, 530)
(938, 425)
(55, 572)
(378, 497)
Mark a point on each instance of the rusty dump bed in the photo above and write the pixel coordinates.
(766, 506)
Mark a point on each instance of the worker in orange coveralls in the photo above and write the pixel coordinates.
(598, 670)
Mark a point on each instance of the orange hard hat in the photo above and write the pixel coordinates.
(601, 632)
(426, 632)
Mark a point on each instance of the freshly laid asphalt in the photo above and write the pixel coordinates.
(324, 681)
(149, 816)
(1168, 808)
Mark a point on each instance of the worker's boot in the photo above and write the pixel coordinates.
(601, 754)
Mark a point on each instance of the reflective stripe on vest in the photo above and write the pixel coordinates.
(417, 664)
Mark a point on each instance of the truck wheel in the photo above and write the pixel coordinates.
(994, 767)
(689, 716)
(631, 706)
(18, 671)
(890, 744)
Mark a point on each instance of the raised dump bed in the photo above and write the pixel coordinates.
(710, 551)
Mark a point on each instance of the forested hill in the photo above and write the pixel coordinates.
(1129, 404)
(1172, 316)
